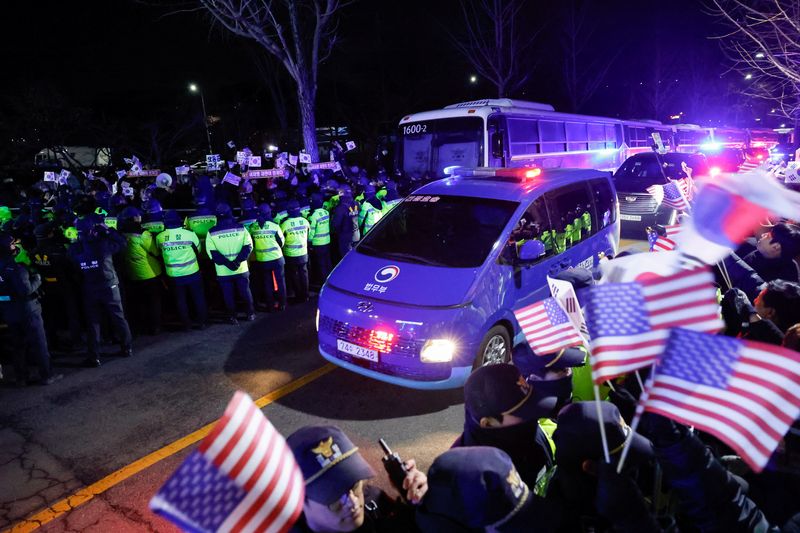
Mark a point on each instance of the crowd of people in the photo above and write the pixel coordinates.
(531, 456)
(84, 261)
(100, 256)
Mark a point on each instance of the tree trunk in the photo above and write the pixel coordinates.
(306, 100)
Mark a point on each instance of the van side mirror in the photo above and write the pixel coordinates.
(497, 144)
(531, 250)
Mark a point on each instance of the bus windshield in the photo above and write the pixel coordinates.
(446, 231)
(428, 147)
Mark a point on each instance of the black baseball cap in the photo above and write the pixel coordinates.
(501, 389)
(577, 436)
(329, 460)
(473, 488)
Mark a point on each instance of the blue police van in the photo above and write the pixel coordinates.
(429, 293)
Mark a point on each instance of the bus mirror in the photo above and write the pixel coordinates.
(497, 144)
(531, 250)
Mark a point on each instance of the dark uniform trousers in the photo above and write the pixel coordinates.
(297, 276)
(101, 302)
(27, 336)
(144, 304)
(190, 286)
(241, 284)
(265, 270)
(320, 263)
(60, 304)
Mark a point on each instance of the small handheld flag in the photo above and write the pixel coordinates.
(242, 477)
(547, 327)
(744, 393)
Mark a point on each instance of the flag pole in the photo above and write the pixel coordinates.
(603, 438)
(637, 417)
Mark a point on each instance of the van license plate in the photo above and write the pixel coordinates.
(357, 351)
(633, 218)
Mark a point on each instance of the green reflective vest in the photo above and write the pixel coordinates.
(367, 217)
(582, 384)
(296, 230)
(586, 223)
(280, 217)
(155, 227)
(561, 242)
(176, 249)
(305, 211)
(200, 224)
(141, 256)
(320, 231)
(229, 242)
(265, 241)
(548, 238)
(330, 203)
(577, 224)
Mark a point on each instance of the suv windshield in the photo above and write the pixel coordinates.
(640, 171)
(447, 231)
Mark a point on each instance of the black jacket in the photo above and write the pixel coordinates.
(18, 286)
(94, 260)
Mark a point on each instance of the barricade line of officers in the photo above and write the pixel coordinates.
(73, 270)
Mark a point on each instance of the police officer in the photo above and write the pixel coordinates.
(319, 235)
(20, 309)
(370, 211)
(153, 217)
(142, 267)
(295, 250)
(345, 221)
(228, 245)
(338, 495)
(268, 242)
(180, 249)
(202, 220)
(93, 256)
(389, 198)
(60, 299)
(249, 212)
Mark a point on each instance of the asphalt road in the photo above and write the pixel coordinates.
(56, 441)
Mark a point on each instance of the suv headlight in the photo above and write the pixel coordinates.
(437, 351)
(316, 321)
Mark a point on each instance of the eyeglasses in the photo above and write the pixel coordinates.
(346, 498)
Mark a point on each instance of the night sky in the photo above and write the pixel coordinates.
(130, 62)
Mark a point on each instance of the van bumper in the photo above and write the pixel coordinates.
(458, 375)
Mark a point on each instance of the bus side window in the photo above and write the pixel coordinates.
(567, 206)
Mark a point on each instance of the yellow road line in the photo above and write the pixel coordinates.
(87, 493)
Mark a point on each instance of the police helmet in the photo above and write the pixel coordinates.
(265, 210)
(224, 211)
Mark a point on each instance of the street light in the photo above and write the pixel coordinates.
(760, 55)
(473, 79)
(193, 88)
(748, 76)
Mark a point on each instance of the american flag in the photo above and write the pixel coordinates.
(744, 393)
(664, 243)
(629, 322)
(547, 327)
(242, 477)
(676, 193)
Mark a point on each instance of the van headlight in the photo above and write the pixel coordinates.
(437, 351)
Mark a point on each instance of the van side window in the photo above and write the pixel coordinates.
(535, 224)
(604, 204)
(570, 211)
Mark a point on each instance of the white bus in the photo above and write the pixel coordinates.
(506, 133)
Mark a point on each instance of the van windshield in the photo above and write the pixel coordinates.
(446, 231)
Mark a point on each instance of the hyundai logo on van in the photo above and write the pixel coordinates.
(387, 274)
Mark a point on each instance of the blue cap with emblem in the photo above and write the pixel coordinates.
(478, 487)
(330, 462)
(496, 390)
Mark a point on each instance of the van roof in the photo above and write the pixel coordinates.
(507, 188)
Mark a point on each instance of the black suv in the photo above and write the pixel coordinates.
(638, 209)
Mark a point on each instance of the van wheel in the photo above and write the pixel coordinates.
(494, 349)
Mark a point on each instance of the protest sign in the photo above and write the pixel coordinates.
(242, 157)
(231, 144)
(350, 145)
(231, 178)
(212, 162)
(332, 165)
(293, 160)
(143, 173)
(267, 173)
(49, 176)
(305, 158)
(182, 170)
(254, 161)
